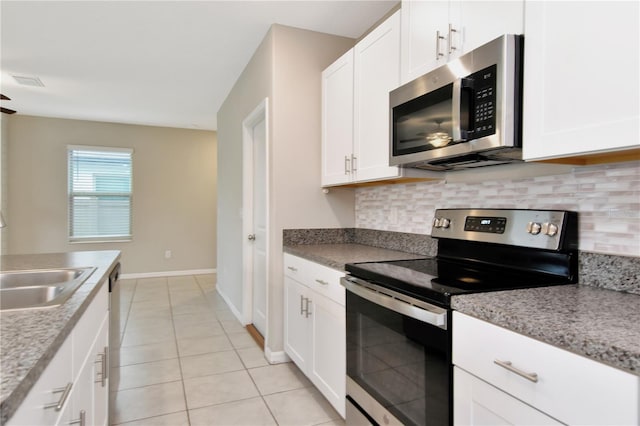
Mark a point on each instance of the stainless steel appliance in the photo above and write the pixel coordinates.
(399, 327)
(463, 114)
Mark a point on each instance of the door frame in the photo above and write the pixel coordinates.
(258, 114)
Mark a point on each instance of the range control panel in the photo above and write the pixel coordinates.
(542, 229)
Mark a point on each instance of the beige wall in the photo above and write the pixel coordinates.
(286, 68)
(174, 191)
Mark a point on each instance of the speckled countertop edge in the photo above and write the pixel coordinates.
(600, 324)
(29, 339)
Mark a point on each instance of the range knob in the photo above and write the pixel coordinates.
(437, 223)
(549, 229)
(533, 228)
(444, 222)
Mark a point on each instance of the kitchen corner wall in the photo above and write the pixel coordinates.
(607, 198)
(174, 191)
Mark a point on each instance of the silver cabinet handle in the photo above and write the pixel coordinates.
(291, 268)
(307, 312)
(354, 163)
(450, 45)
(301, 302)
(251, 237)
(81, 421)
(507, 365)
(322, 282)
(347, 165)
(102, 375)
(63, 398)
(438, 53)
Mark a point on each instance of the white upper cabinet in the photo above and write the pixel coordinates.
(377, 72)
(337, 121)
(435, 32)
(355, 109)
(581, 78)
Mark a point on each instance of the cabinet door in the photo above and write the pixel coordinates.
(476, 402)
(82, 394)
(328, 367)
(581, 84)
(478, 22)
(101, 370)
(377, 72)
(337, 121)
(420, 22)
(296, 323)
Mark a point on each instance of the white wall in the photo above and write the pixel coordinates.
(286, 68)
(174, 191)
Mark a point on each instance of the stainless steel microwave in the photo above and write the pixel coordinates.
(466, 113)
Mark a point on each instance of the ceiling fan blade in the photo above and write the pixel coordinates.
(7, 110)
(4, 98)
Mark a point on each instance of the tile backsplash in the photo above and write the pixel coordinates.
(607, 198)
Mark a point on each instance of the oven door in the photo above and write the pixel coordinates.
(398, 357)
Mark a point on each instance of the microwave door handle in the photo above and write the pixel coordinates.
(462, 102)
(456, 112)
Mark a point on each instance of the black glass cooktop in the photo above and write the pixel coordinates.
(436, 279)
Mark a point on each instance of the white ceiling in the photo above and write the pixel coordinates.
(162, 63)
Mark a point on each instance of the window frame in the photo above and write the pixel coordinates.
(71, 194)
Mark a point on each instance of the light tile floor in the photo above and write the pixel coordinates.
(185, 360)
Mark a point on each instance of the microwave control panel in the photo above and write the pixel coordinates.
(484, 102)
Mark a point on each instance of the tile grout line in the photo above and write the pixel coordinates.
(175, 338)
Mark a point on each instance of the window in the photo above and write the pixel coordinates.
(99, 193)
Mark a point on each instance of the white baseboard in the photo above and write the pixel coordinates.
(276, 357)
(167, 274)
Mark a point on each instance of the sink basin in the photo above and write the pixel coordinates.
(39, 288)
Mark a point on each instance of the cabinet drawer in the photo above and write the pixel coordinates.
(569, 387)
(296, 268)
(320, 278)
(326, 281)
(46, 391)
(85, 332)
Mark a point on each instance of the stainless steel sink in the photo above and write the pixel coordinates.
(39, 288)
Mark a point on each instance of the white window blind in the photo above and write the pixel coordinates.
(99, 193)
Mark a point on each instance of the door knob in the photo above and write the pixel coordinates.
(251, 237)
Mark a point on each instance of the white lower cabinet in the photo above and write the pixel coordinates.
(502, 377)
(315, 326)
(476, 402)
(71, 387)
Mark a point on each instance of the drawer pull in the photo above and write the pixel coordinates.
(63, 398)
(507, 365)
(291, 268)
(322, 282)
(82, 421)
(102, 374)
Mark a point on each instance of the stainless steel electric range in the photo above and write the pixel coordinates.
(399, 367)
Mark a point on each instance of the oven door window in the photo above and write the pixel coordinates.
(404, 364)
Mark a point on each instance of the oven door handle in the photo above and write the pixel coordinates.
(397, 302)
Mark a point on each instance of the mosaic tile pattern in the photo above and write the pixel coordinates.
(606, 196)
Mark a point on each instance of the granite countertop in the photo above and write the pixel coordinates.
(601, 324)
(337, 255)
(29, 339)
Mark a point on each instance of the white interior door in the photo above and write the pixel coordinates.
(259, 310)
(255, 218)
